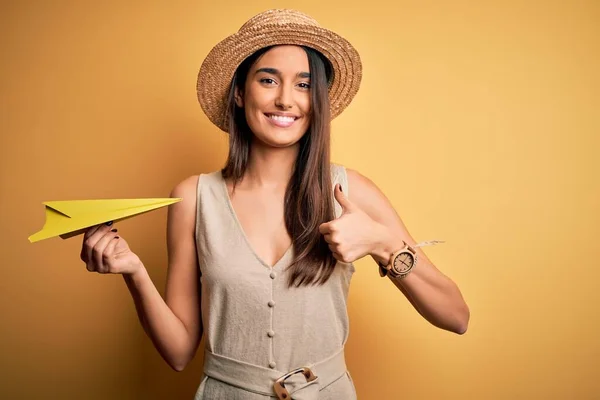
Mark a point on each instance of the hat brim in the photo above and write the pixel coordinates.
(219, 66)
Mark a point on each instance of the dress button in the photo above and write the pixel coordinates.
(271, 303)
(272, 365)
(273, 275)
(270, 333)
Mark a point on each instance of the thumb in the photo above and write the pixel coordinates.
(341, 198)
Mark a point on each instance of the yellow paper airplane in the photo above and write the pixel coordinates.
(72, 217)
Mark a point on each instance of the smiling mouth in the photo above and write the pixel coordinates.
(282, 121)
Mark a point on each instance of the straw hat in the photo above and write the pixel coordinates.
(269, 28)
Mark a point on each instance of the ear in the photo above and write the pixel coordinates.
(239, 97)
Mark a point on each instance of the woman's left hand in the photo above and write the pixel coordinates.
(354, 234)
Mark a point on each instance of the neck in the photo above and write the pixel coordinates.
(270, 168)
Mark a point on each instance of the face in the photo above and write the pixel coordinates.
(276, 96)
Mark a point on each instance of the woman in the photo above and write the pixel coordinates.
(261, 252)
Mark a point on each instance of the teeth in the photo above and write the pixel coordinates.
(281, 118)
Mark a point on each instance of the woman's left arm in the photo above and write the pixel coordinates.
(434, 295)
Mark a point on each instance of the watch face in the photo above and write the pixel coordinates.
(403, 262)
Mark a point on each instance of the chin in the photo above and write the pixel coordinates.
(281, 143)
(280, 137)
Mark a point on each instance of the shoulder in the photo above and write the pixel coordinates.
(361, 188)
(367, 195)
(359, 182)
(186, 188)
(186, 191)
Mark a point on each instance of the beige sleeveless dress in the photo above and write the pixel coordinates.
(251, 316)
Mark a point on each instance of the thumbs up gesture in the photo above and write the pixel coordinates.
(351, 236)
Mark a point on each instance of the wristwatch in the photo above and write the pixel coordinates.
(401, 263)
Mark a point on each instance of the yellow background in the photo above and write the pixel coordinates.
(478, 119)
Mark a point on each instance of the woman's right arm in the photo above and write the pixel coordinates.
(174, 324)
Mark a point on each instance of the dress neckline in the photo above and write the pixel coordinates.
(240, 228)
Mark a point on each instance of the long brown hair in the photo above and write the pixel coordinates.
(308, 196)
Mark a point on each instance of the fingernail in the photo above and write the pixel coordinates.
(340, 187)
(109, 223)
(113, 230)
(116, 237)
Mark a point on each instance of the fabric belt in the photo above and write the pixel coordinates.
(260, 380)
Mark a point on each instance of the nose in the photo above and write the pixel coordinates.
(284, 99)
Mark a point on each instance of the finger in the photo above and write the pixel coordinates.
(332, 238)
(90, 266)
(99, 247)
(342, 199)
(337, 256)
(87, 234)
(109, 252)
(91, 241)
(335, 249)
(92, 229)
(325, 228)
(88, 248)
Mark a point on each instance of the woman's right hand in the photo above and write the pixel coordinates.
(105, 252)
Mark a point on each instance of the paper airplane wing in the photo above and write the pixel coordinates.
(72, 217)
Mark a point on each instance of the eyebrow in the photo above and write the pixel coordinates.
(275, 71)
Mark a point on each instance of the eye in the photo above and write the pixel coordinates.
(267, 81)
(304, 85)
